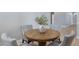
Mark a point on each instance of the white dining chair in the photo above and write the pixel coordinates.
(7, 41)
(25, 28)
(66, 40)
(69, 34)
(67, 37)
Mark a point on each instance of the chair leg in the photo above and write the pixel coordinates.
(29, 41)
(59, 40)
(23, 41)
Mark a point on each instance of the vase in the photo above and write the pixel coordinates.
(42, 29)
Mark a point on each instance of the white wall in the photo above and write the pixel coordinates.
(62, 19)
(78, 25)
(11, 22)
(29, 18)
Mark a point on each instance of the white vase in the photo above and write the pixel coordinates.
(42, 29)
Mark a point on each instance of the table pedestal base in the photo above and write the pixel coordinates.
(42, 43)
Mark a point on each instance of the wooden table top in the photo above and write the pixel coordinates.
(35, 35)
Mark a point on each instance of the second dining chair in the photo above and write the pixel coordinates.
(25, 28)
(7, 40)
(67, 41)
(67, 36)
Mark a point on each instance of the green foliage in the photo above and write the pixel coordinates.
(42, 20)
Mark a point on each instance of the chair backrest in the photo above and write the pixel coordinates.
(7, 41)
(4, 36)
(69, 28)
(68, 40)
(68, 34)
(25, 28)
(7, 38)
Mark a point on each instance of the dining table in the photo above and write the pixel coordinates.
(42, 38)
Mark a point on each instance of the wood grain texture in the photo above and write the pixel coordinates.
(34, 34)
(42, 38)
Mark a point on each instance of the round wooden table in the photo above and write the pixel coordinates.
(42, 38)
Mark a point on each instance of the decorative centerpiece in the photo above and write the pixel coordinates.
(42, 21)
